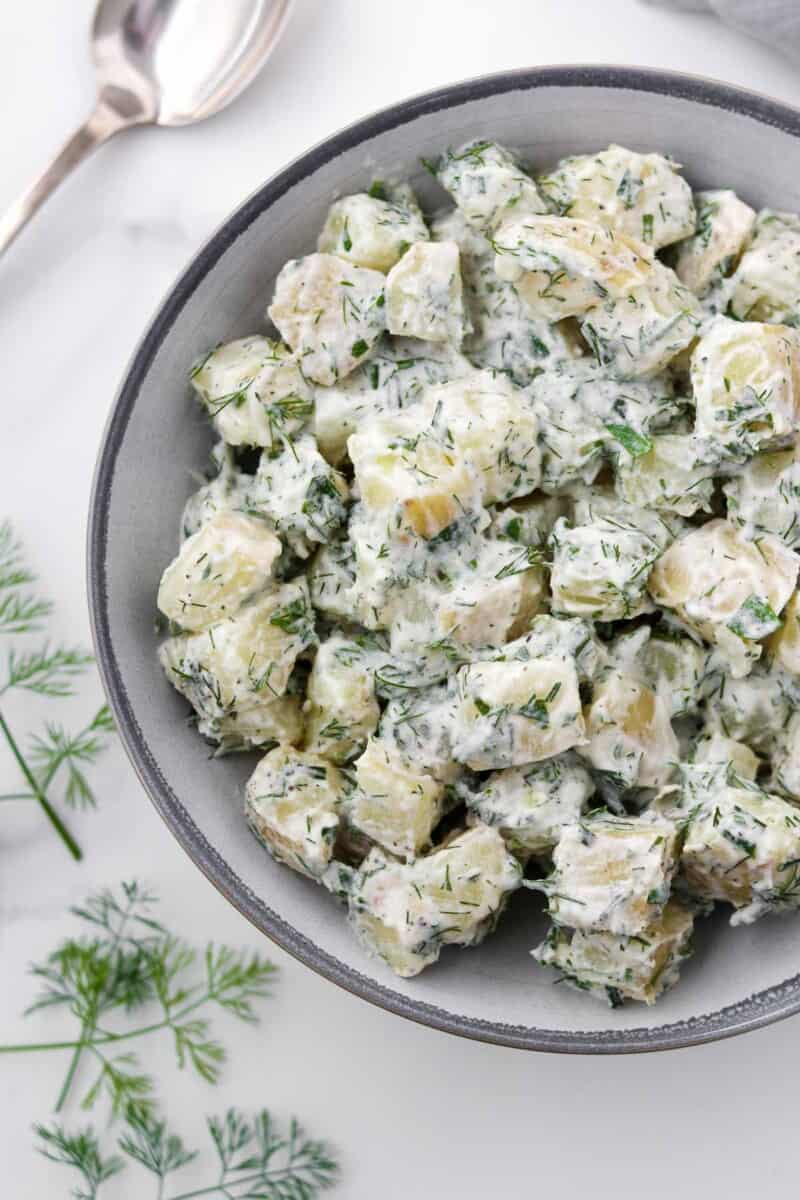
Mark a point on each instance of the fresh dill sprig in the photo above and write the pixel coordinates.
(49, 671)
(254, 1158)
(80, 1150)
(131, 978)
(20, 611)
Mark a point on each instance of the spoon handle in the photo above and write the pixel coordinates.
(102, 124)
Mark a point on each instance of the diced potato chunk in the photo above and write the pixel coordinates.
(225, 493)
(490, 423)
(217, 569)
(495, 600)
(724, 223)
(488, 185)
(784, 646)
(752, 710)
(406, 913)
(668, 472)
(395, 805)
(584, 415)
(243, 662)
(764, 496)
(292, 803)
(424, 294)
(621, 968)
(630, 735)
(640, 333)
(601, 565)
(531, 805)
(254, 390)
(529, 521)
(673, 666)
(786, 762)
(718, 749)
(417, 724)
(371, 232)
(332, 580)
(396, 375)
(766, 286)
(504, 336)
(612, 873)
(641, 195)
(429, 481)
(563, 267)
(746, 385)
(729, 590)
(273, 720)
(301, 493)
(743, 846)
(341, 709)
(331, 314)
(512, 713)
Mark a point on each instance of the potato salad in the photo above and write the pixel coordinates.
(496, 566)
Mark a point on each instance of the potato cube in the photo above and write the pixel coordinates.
(254, 390)
(753, 710)
(417, 725)
(601, 565)
(667, 663)
(413, 472)
(612, 873)
(272, 720)
(640, 195)
(217, 569)
(341, 709)
(724, 224)
(746, 385)
(405, 913)
(495, 599)
(783, 647)
(617, 967)
(396, 375)
(563, 267)
(764, 496)
(529, 521)
(531, 805)
(332, 580)
(488, 185)
(729, 590)
(395, 805)
(424, 294)
(630, 735)
(639, 334)
(766, 286)
(491, 424)
(743, 846)
(669, 472)
(331, 314)
(245, 661)
(292, 804)
(298, 490)
(786, 761)
(513, 713)
(370, 231)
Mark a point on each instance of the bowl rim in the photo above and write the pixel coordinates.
(762, 1008)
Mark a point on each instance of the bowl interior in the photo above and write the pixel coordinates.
(157, 441)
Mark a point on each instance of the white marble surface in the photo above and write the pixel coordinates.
(413, 1111)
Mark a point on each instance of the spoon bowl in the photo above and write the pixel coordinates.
(182, 60)
(160, 62)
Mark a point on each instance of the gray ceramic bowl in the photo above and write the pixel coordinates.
(739, 978)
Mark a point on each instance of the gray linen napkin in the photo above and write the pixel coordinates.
(776, 22)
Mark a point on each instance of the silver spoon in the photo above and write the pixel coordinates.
(160, 62)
